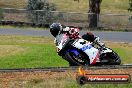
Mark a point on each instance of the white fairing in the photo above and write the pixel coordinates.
(61, 41)
(92, 52)
(60, 45)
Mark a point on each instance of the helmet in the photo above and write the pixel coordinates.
(55, 29)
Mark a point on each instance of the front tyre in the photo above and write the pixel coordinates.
(111, 58)
(76, 60)
(115, 58)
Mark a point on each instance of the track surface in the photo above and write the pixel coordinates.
(105, 36)
(63, 69)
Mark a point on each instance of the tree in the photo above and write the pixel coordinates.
(130, 9)
(94, 11)
(1, 14)
(130, 5)
(36, 16)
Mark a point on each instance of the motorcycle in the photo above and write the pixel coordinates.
(80, 52)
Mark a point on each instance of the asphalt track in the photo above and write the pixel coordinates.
(104, 35)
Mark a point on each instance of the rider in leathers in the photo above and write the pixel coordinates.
(57, 29)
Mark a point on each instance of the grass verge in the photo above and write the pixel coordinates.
(61, 83)
(37, 52)
(33, 52)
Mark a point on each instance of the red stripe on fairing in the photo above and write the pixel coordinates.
(95, 59)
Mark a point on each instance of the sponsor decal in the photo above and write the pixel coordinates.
(85, 47)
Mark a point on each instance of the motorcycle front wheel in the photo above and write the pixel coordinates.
(115, 59)
(77, 60)
(111, 57)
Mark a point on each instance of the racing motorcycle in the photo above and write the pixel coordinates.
(80, 52)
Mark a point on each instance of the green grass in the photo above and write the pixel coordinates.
(73, 84)
(30, 52)
(124, 50)
(34, 56)
(36, 52)
(125, 55)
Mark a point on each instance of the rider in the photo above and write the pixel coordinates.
(73, 32)
(57, 30)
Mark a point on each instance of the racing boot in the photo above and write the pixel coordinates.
(98, 42)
